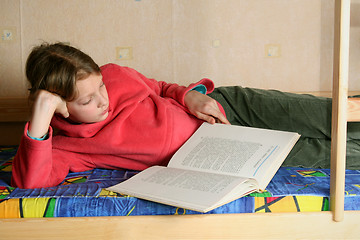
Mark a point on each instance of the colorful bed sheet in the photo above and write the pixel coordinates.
(83, 194)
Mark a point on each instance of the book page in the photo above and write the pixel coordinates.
(234, 150)
(188, 189)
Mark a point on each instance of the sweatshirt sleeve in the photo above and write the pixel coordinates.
(174, 91)
(161, 88)
(33, 164)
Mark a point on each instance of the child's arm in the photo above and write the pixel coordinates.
(33, 164)
(45, 105)
(200, 105)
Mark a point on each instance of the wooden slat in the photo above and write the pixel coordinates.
(353, 112)
(14, 113)
(14, 110)
(327, 94)
(339, 107)
(306, 225)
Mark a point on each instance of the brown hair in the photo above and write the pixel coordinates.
(57, 67)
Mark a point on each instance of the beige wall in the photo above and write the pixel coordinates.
(185, 40)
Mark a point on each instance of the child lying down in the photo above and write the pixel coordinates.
(114, 117)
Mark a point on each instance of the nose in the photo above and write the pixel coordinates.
(102, 100)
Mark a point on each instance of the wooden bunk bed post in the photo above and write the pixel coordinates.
(339, 107)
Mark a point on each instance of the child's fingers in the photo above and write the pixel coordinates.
(221, 118)
(212, 119)
(65, 114)
(206, 118)
(62, 108)
(215, 113)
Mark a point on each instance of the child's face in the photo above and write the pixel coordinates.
(92, 102)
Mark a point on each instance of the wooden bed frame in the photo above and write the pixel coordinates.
(335, 224)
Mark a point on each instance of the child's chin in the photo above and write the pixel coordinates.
(103, 117)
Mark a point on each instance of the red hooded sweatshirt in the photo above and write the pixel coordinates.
(147, 123)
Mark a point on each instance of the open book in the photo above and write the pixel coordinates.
(218, 164)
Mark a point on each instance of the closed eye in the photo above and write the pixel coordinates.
(86, 103)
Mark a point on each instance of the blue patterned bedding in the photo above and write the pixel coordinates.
(83, 194)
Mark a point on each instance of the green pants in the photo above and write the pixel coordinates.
(307, 115)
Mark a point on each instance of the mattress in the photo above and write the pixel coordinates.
(83, 194)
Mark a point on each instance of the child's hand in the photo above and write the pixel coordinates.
(204, 108)
(51, 102)
(44, 107)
